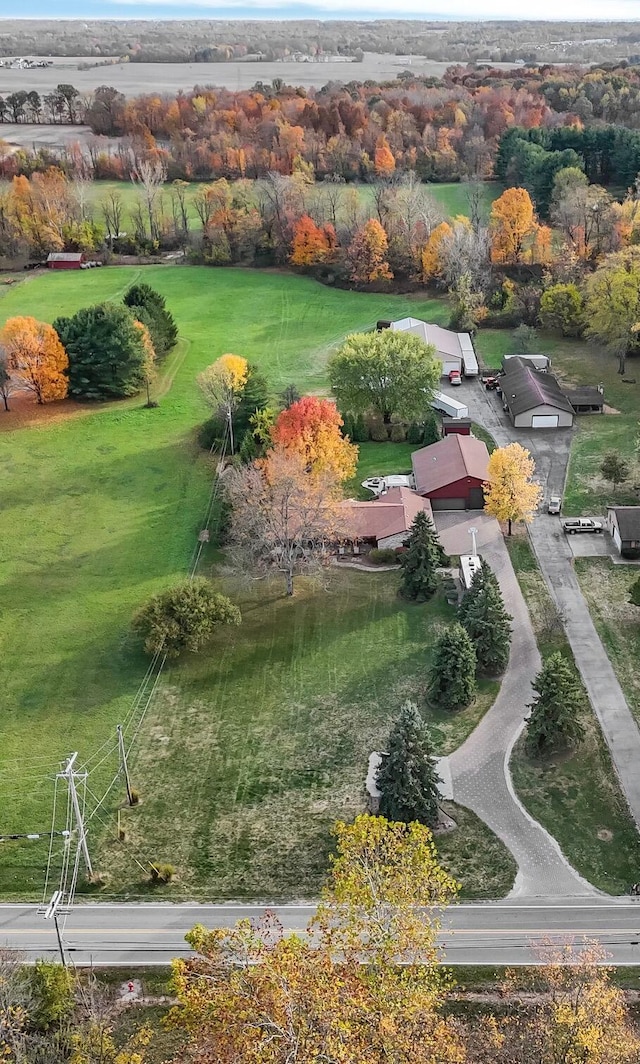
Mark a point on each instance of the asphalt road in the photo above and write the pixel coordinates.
(485, 933)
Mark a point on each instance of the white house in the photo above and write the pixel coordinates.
(455, 350)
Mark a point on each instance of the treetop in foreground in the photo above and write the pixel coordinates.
(389, 372)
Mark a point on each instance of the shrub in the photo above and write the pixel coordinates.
(161, 873)
(378, 432)
(431, 428)
(398, 432)
(383, 556)
(415, 433)
(183, 617)
(360, 430)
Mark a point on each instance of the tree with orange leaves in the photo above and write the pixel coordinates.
(384, 160)
(431, 253)
(312, 244)
(36, 357)
(367, 254)
(311, 426)
(513, 224)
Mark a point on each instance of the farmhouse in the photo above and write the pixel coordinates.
(623, 524)
(532, 399)
(65, 260)
(455, 350)
(385, 521)
(451, 473)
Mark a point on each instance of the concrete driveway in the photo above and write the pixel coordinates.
(554, 551)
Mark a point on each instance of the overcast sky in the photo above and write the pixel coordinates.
(450, 9)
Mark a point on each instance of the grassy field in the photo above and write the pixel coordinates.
(575, 797)
(606, 588)
(262, 741)
(452, 198)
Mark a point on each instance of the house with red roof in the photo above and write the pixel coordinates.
(451, 473)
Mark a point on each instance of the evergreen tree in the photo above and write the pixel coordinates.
(255, 396)
(452, 682)
(360, 430)
(486, 621)
(554, 720)
(431, 430)
(407, 776)
(289, 396)
(107, 356)
(420, 560)
(149, 307)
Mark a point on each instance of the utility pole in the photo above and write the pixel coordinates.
(71, 776)
(51, 913)
(230, 417)
(123, 764)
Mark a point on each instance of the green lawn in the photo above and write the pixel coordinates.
(576, 797)
(101, 510)
(606, 589)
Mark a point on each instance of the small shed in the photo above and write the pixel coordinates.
(623, 524)
(586, 400)
(458, 426)
(65, 260)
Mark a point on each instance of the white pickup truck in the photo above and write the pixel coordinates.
(571, 525)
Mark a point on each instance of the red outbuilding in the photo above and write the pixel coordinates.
(65, 260)
(451, 473)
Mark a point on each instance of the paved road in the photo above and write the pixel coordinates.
(480, 767)
(551, 453)
(490, 933)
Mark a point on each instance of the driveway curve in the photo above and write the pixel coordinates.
(480, 767)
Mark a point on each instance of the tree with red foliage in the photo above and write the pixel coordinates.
(312, 427)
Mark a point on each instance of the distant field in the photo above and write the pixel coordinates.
(135, 78)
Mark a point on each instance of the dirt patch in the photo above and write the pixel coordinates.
(24, 412)
(605, 835)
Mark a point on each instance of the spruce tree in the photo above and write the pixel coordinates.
(486, 621)
(407, 776)
(554, 721)
(150, 307)
(420, 560)
(452, 682)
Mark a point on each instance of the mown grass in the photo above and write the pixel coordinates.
(575, 796)
(269, 731)
(606, 589)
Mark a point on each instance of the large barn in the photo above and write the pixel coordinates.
(455, 350)
(451, 473)
(534, 400)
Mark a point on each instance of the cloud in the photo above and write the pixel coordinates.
(500, 9)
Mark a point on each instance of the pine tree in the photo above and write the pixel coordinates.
(420, 560)
(554, 720)
(486, 621)
(407, 776)
(453, 671)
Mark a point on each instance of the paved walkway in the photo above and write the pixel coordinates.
(551, 453)
(479, 768)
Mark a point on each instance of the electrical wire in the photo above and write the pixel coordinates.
(53, 825)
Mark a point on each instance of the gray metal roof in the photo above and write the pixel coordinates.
(628, 518)
(525, 389)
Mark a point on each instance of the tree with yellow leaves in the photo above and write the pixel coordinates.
(36, 357)
(222, 384)
(512, 224)
(149, 363)
(432, 251)
(367, 254)
(255, 996)
(510, 494)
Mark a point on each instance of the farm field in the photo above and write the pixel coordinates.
(100, 510)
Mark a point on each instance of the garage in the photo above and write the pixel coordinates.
(544, 421)
(450, 504)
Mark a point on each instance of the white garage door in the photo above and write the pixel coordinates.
(544, 421)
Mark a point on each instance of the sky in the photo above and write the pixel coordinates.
(447, 9)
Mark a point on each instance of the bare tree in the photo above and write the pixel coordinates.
(150, 175)
(283, 517)
(180, 211)
(466, 252)
(6, 381)
(112, 210)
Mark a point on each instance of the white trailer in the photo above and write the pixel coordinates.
(469, 360)
(446, 405)
(470, 564)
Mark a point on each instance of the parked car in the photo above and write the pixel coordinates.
(581, 524)
(455, 376)
(554, 505)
